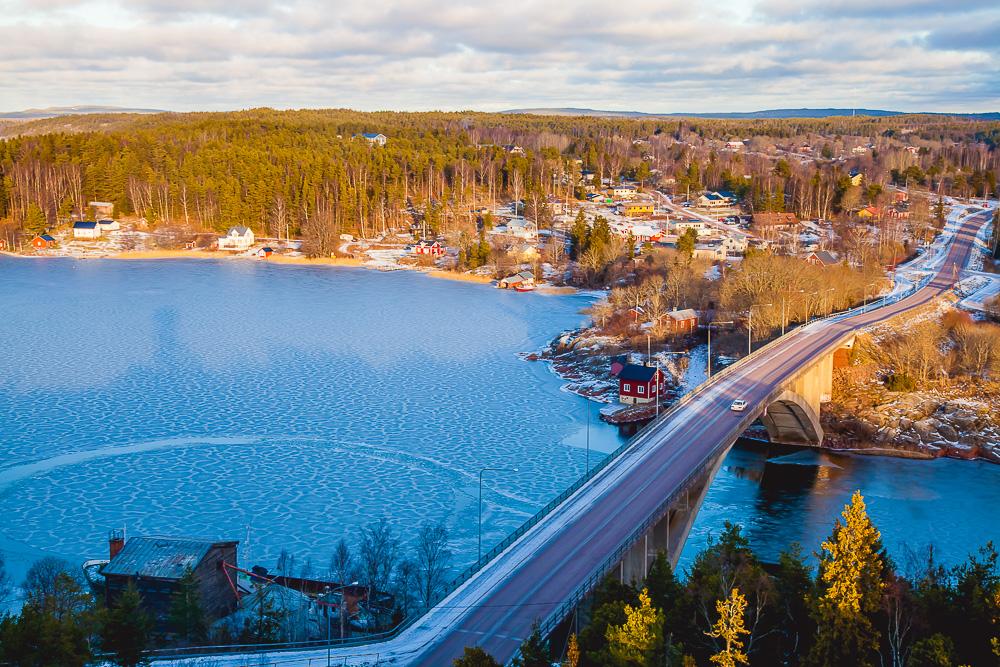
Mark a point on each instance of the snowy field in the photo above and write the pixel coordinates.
(202, 398)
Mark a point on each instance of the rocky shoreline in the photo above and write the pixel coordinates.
(961, 422)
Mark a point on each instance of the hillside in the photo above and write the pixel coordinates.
(764, 114)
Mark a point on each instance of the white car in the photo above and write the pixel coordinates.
(739, 405)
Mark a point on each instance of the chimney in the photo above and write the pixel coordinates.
(116, 542)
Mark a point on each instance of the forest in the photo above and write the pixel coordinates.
(308, 173)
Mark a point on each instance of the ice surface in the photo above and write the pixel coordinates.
(198, 398)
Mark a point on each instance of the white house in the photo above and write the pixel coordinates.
(521, 228)
(108, 225)
(712, 200)
(375, 138)
(624, 191)
(86, 229)
(698, 226)
(238, 238)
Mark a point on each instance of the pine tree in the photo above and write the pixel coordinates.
(187, 618)
(730, 628)
(34, 219)
(534, 650)
(686, 243)
(475, 657)
(635, 641)
(126, 628)
(850, 586)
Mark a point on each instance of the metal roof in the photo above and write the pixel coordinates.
(637, 373)
(158, 557)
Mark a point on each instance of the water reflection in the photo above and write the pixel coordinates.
(784, 494)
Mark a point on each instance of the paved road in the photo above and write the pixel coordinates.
(660, 461)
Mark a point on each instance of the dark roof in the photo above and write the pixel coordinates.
(46, 237)
(827, 258)
(637, 373)
(85, 224)
(158, 557)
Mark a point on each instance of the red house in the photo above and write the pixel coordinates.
(43, 241)
(639, 384)
(432, 248)
(681, 321)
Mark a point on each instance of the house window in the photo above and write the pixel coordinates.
(642, 390)
(626, 387)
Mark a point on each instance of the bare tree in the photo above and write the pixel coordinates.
(432, 561)
(342, 566)
(379, 553)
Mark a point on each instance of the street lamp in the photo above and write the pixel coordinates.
(710, 325)
(784, 317)
(481, 505)
(340, 613)
(750, 324)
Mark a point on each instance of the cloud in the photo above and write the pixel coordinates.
(420, 54)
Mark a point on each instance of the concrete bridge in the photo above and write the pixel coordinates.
(643, 499)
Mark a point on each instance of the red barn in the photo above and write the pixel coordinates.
(639, 384)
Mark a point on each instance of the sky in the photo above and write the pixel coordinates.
(655, 56)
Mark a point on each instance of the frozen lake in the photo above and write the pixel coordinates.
(199, 398)
(202, 398)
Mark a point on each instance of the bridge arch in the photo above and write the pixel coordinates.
(791, 420)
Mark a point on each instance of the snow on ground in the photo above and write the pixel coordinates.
(980, 288)
(386, 259)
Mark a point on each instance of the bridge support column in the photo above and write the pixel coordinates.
(670, 532)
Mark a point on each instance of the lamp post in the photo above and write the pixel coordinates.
(784, 317)
(481, 505)
(710, 325)
(750, 324)
(340, 614)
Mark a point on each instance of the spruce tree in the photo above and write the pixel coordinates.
(126, 629)
(534, 650)
(850, 591)
(475, 657)
(187, 618)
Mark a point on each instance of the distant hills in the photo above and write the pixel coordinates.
(56, 112)
(766, 113)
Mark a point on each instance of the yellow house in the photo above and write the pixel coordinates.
(635, 209)
(856, 177)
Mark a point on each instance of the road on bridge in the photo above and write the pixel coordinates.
(499, 616)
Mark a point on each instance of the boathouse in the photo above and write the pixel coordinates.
(42, 241)
(521, 279)
(155, 565)
(639, 384)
